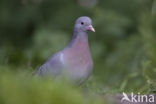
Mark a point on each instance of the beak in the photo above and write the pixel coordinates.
(91, 28)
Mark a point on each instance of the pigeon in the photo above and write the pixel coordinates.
(73, 62)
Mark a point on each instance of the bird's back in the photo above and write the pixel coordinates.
(52, 67)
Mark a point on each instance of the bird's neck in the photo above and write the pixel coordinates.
(79, 38)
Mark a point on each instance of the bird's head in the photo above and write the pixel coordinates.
(84, 24)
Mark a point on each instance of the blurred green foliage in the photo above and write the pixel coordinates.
(123, 47)
(17, 88)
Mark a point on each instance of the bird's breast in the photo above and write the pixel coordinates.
(79, 55)
(78, 60)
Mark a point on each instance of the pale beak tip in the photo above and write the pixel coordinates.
(91, 28)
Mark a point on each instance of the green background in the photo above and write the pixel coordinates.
(123, 48)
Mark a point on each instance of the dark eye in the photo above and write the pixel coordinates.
(82, 23)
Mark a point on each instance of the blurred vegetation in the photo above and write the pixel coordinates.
(123, 47)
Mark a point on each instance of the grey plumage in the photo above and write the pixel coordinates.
(74, 62)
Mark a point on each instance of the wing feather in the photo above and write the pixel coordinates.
(53, 66)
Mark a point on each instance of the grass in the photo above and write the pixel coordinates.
(20, 87)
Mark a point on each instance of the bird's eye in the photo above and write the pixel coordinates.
(82, 23)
